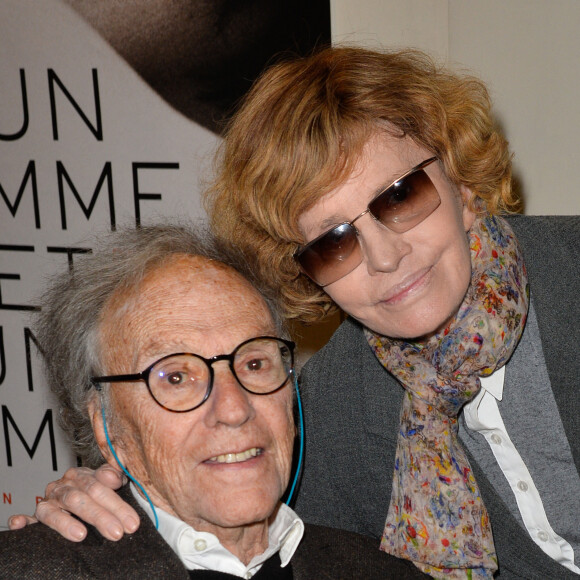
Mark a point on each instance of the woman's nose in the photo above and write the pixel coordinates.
(229, 403)
(382, 248)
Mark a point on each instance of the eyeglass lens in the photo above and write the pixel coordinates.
(181, 382)
(400, 207)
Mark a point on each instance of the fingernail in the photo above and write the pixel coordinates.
(131, 524)
(115, 531)
(77, 532)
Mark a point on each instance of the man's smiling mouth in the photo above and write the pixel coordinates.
(236, 457)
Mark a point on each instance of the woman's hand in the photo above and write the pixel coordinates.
(90, 496)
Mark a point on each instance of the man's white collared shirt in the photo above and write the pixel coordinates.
(203, 551)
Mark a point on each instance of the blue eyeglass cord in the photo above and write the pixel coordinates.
(125, 470)
(301, 435)
(296, 475)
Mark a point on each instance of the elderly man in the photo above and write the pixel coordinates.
(169, 363)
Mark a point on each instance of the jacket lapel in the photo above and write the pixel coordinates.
(551, 247)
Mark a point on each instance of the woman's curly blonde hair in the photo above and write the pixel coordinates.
(303, 127)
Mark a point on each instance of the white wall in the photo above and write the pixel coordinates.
(527, 51)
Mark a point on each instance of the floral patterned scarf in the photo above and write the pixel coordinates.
(436, 517)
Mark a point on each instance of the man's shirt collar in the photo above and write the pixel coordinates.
(203, 551)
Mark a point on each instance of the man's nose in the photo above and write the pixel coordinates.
(229, 403)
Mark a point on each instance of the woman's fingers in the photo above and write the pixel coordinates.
(49, 513)
(91, 497)
(20, 521)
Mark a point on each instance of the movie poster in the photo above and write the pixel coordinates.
(110, 113)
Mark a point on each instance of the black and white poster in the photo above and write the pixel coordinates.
(110, 113)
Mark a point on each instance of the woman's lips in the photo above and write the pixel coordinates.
(236, 457)
(408, 287)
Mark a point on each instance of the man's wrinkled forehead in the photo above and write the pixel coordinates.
(184, 292)
(209, 278)
(178, 271)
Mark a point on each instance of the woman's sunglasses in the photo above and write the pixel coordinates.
(400, 207)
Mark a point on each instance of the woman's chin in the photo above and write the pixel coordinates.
(412, 327)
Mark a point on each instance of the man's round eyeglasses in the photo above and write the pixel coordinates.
(183, 381)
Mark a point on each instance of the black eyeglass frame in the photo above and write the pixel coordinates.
(144, 375)
(420, 167)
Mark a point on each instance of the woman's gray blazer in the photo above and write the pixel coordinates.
(352, 407)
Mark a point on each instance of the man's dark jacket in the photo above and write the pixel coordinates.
(36, 552)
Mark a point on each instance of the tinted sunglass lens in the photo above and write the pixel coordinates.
(406, 203)
(332, 256)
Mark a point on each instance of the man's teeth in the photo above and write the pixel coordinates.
(236, 457)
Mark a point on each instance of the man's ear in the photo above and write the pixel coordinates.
(96, 417)
(468, 214)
